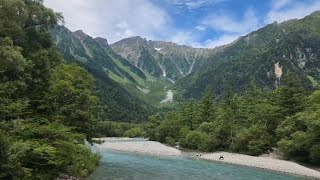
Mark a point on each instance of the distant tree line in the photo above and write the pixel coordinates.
(254, 122)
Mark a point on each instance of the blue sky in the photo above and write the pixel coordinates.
(198, 23)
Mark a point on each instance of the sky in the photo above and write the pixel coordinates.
(197, 23)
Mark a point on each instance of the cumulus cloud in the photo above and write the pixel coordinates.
(221, 40)
(151, 19)
(224, 22)
(229, 27)
(185, 38)
(114, 19)
(278, 4)
(291, 9)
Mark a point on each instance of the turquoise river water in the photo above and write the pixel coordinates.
(130, 166)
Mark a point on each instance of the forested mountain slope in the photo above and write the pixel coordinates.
(109, 69)
(266, 56)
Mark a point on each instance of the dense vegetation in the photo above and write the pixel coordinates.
(47, 108)
(293, 44)
(119, 129)
(253, 122)
(110, 70)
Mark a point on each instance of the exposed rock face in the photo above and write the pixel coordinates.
(102, 42)
(278, 72)
(80, 35)
(169, 97)
(139, 53)
(161, 58)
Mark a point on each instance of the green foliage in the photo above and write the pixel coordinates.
(71, 97)
(253, 57)
(253, 141)
(10, 154)
(300, 134)
(112, 73)
(198, 140)
(252, 123)
(134, 132)
(12, 80)
(150, 127)
(118, 129)
(51, 149)
(47, 108)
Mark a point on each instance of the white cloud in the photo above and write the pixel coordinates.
(185, 38)
(229, 27)
(114, 19)
(278, 4)
(193, 4)
(225, 23)
(219, 41)
(196, 4)
(118, 19)
(200, 28)
(222, 40)
(292, 10)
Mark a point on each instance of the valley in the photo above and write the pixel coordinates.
(93, 93)
(136, 63)
(145, 69)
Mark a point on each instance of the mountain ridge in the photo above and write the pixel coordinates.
(117, 102)
(192, 71)
(165, 59)
(293, 44)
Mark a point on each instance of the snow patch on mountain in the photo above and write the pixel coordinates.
(158, 49)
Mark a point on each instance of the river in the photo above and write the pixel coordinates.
(130, 166)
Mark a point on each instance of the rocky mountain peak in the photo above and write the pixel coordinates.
(102, 41)
(80, 35)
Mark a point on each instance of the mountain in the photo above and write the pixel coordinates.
(142, 69)
(268, 56)
(108, 68)
(145, 69)
(161, 58)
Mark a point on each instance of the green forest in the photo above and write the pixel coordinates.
(47, 107)
(52, 108)
(253, 123)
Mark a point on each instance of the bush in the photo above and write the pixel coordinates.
(296, 147)
(170, 141)
(134, 132)
(197, 140)
(315, 154)
(254, 140)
